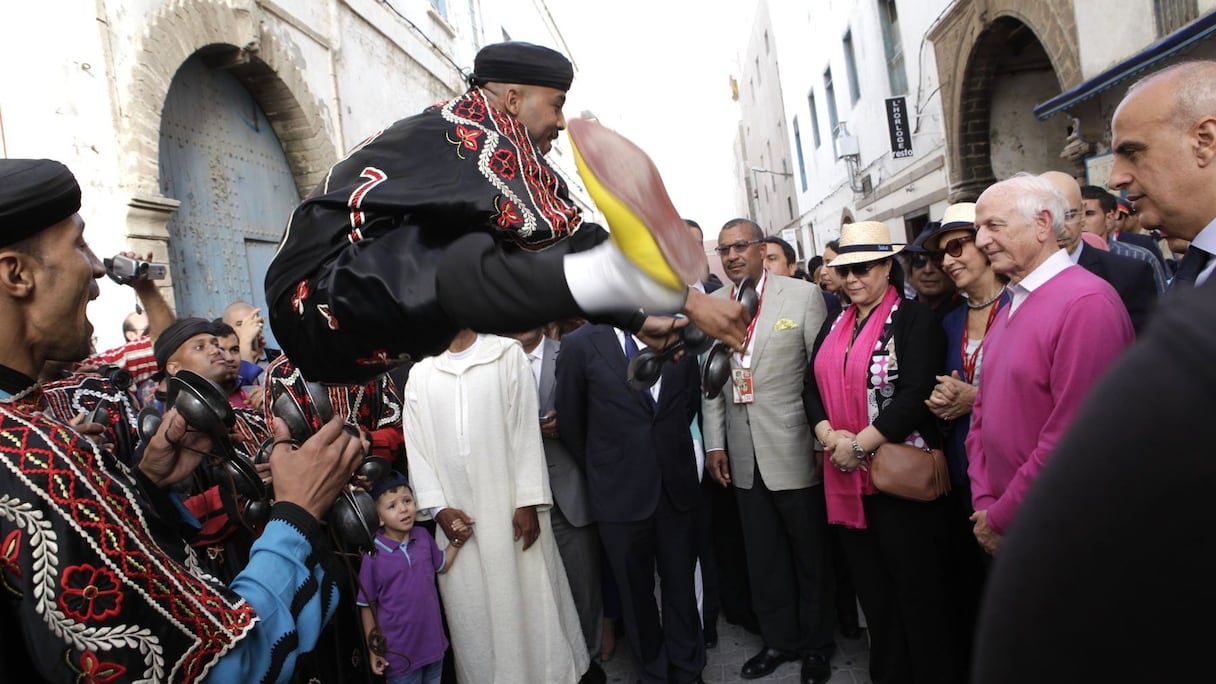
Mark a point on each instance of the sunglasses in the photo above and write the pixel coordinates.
(740, 246)
(858, 270)
(954, 248)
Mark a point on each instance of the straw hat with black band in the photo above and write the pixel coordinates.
(865, 241)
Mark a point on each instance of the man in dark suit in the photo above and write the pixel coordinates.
(574, 529)
(1132, 279)
(636, 449)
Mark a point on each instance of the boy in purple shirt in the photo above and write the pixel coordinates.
(397, 596)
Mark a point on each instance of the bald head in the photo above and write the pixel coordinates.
(1068, 230)
(1164, 139)
(236, 312)
(1191, 91)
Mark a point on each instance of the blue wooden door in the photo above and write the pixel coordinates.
(221, 159)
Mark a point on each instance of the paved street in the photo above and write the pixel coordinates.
(735, 646)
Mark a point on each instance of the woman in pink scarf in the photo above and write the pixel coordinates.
(874, 368)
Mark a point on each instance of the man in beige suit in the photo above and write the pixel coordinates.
(758, 439)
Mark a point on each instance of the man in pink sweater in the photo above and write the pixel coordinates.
(1061, 330)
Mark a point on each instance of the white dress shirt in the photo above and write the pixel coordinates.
(1035, 279)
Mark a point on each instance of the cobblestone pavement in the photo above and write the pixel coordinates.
(850, 665)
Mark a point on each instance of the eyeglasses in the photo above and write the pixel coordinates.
(954, 248)
(740, 246)
(858, 270)
(1072, 214)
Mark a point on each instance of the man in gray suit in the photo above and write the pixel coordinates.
(758, 439)
(573, 527)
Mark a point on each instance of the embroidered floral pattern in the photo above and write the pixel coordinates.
(471, 108)
(193, 622)
(90, 593)
(466, 137)
(541, 212)
(507, 217)
(504, 163)
(94, 670)
(9, 555)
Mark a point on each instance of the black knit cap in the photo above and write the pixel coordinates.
(524, 63)
(35, 194)
(178, 334)
(393, 480)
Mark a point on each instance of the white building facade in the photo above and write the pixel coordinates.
(194, 126)
(857, 156)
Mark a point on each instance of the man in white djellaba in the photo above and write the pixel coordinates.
(477, 464)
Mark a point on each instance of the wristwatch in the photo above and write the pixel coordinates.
(858, 452)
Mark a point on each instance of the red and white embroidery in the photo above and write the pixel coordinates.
(379, 357)
(297, 301)
(374, 177)
(508, 217)
(330, 319)
(467, 139)
(537, 215)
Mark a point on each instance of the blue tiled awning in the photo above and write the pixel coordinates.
(1195, 32)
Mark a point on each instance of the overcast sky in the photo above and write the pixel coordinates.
(658, 71)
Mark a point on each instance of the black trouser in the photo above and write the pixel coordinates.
(899, 568)
(734, 586)
(711, 583)
(967, 568)
(667, 648)
(785, 534)
(394, 298)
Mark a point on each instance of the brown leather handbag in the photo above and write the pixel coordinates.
(909, 472)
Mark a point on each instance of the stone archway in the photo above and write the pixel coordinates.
(237, 39)
(985, 51)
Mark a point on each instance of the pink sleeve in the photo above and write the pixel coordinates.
(977, 471)
(1096, 332)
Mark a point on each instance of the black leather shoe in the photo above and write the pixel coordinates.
(594, 675)
(765, 662)
(815, 669)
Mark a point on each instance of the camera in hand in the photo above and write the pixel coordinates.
(121, 377)
(124, 270)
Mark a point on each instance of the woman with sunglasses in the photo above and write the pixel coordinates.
(874, 368)
(952, 245)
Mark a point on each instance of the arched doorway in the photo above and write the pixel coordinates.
(220, 157)
(995, 60)
(1008, 71)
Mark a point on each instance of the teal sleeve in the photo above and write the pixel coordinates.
(294, 597)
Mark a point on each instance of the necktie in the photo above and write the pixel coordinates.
(631, 350)
(631, 347)
(1192, 265)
